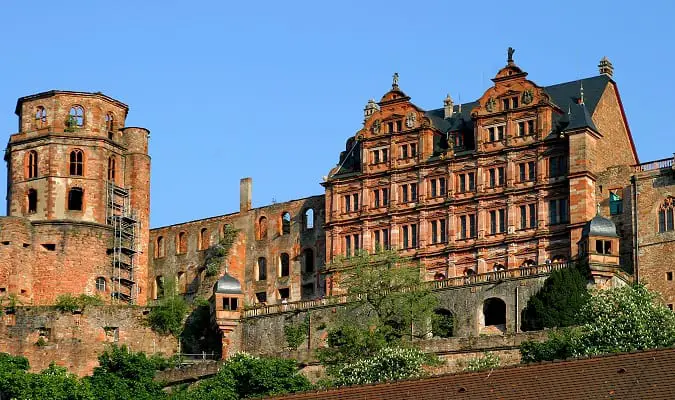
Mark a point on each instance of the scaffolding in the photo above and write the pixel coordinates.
(121, 217)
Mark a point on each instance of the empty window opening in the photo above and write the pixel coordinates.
(603, 246)
(76, 162)
(112, 334)
(181, 243)
(44, 333)
(3, 290)
(494, 311)
(308, 256)
(262, 269)
(6, 243)
(159, 287)
(307, 291)
(204, 239)
(112, 164)
(498, 267)
(159, 247)
(261, 297)
(230, 304)
(284, 293)
(669, 275)
(262, 228)
(110, 125)
(100, 284)
(75, 198)
(181, 282)
(442, 323)
(438, 276)
(26, 245)
(32, 201)
(49, 246)
(40, 117)
(32, 167)
(285, 223)
(284, 264)
(309, 218)
(76, 117)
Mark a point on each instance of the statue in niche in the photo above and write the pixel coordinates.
(410, 119)
(376, 126)
(490, 104)
(527, 97)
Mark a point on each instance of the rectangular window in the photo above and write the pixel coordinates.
(522, 172)
(528, 216)
(615, 202)
(399, 126)
(404, 151)
(501, 173)
(492, 180)
(493, 222)
(437, 187)
(380, 198)
(497, 221)
(467, 226)
(530, 127)
(409, 236)
(385, 196)
(531, 175)
(390, 127)
(438, 231)
(405, 193)
(533, 215)
(380, 155)
(348, 203)
(500, 132)
(381, 239)
(557, 166)
(355, 200)
(434, 232)
(558, 211)
(491, 134)
(505, 104)
(521, 128)
(669, 275)
(351, 244)
(376, 198)
(472, 181)
(462, 183)
(523, 217)
(413, 149)
(514, 102)
(434, 189)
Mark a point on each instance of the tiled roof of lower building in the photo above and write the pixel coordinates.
(639, 375)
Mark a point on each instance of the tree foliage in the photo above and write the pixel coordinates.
(558, 302)
(69, 303)
(621, 319)
(168, 316)
(388, 364)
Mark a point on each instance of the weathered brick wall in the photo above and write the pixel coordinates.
(618, 179)
(615, 147)
(75, 340)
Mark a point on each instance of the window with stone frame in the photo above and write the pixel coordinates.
(308, 259)
(285, 223)
(350, 202)
(284, 265)
(110, 125)
(379, 155)
(558, 211)
(409, 236)
(666, 223)
(526, 171)
(380, 197)
(181, 243)
(525, 127)
(495, 133)
(466, 182)
(615, 202)
(381, 239)
(40, 117)
(603, 246)
(75, 117)
(352, 244)
(528, 216)
(32, 164)
(467, 226)
(76, 163)
(497, 221)
(32, 198)
(261, 231)
(437, 187)
(204, 239)
(408, 150)
(100, 284)
(496, 177)
(308, 219)
(438, 231)
(262, 269)
(159, 247)
(557, 166)
(408, 192)
(75, 199)
(112, 167)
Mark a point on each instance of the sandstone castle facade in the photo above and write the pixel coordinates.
(524, 178)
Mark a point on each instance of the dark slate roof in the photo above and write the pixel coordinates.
(578, 117)
(227, 284)
(599, 226)
(640, 375)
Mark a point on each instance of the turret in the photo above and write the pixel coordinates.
(599, 248)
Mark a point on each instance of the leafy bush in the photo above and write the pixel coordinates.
(295, 334)
(167, 317)
(488, 361)
(69, 303)
(388, 364)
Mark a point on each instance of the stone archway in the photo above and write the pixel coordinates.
(493, 316)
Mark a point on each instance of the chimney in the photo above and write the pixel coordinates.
(245, 186)
(447, 106)
(606, 67)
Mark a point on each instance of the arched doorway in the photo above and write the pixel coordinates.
(494, 313)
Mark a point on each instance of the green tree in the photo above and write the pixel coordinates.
(57, 384)
(621, 319)
(558, 302)
(168, 316)
(13, 375)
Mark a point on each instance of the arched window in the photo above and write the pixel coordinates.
(284, 265)
(494, 311)
(498, 267)
(159, 287)
(204, 239)
(262, 269)
(438, 276)
(76, 117)
(666, 215)
(75, 199)
(100, 284)
(308, 256)
(76, 163)
(469, 272)
(442, 323)
(159, 247)
(285, 223)
(40, 117)
(32, 164)
(181, 243)
(32, 201)
(262, 228)
(309, 219)
(110, 125)
(112, 166)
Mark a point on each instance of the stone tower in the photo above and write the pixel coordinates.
(81, 180)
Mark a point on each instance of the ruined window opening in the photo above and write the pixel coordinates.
(75, 199)
(308, 256)
(204, 239)
(352, 244)
(261, 297)
(399, 126)
(284, 293)
(410, 236)
(159, 247)
(559, 259)
(40, 117)
(32, 201)
(443, 323)
(307, 291)
(284, 265)
(76, 162)
(76, 117)
(49, 246)
(44, 333)
(669, 275)
(111, 168)
(159, 287)
(262, 269)
(309, 218)
(110, 125)
(438, 231)
(381, 239)
(112, 334)
(100, 284)
(262, 228)
(181, 243)
(514, 102)
(285, 223)
(32, 168)
(181, 282)
(494, 312)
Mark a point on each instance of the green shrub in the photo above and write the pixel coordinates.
(167, 317)
(296, 333)
(69, 303)
(488, 361)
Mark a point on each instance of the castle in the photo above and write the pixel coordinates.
(524, 176)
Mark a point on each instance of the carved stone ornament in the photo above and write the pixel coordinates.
(490, 104)
(410, 119)
(376, 126)
(527, 97)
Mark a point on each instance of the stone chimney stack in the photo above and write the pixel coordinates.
(606, 67)
(245, 189)
(448, 106)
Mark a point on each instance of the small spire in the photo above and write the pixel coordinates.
(394, 80)
(605, 67)
(581, 97)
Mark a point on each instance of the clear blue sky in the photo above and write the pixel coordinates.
(272, 90)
